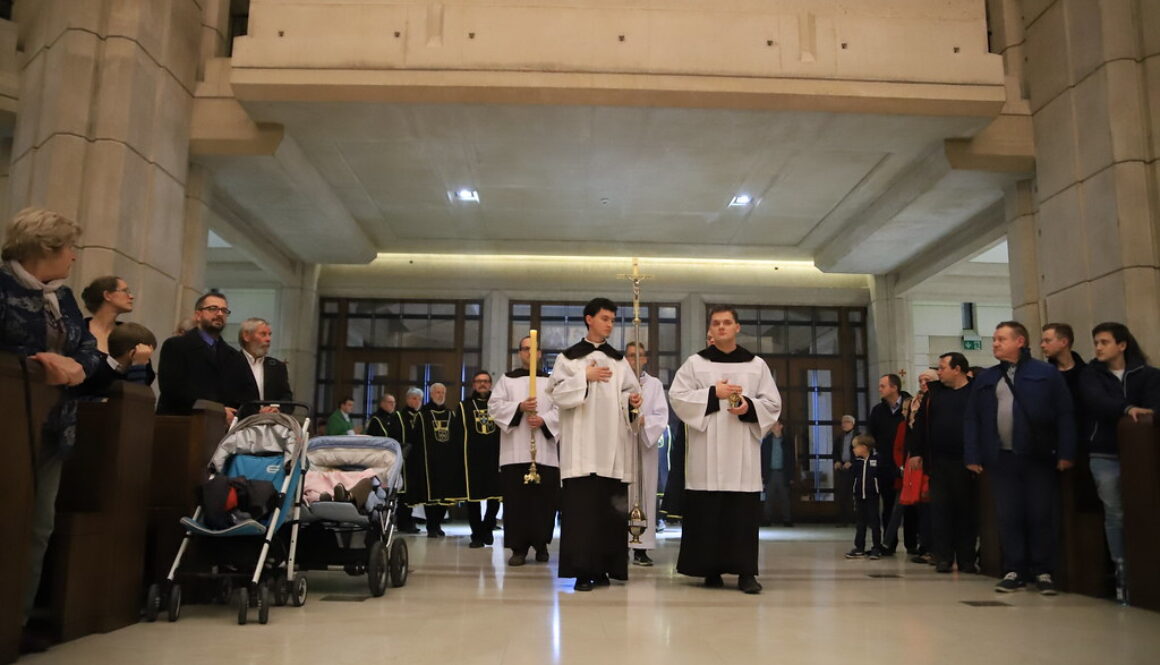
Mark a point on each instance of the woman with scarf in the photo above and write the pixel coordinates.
(40, 321)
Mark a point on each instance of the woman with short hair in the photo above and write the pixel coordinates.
(40, 320)
(107, 298)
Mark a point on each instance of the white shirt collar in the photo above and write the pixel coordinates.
(251, 359)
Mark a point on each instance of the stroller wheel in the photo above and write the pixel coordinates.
(153, 602)
(174, 602)
(377, 568)
(243, 605)
(263, 604)
(400, 560)
(281, 590)
(298, 597)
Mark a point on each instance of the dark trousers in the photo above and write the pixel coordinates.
(952, 505)
(866, 515)
(482, 525)
(917, 531)
(593, 519)
(435, 515)
(403, 517)
(844, 495)
(777, 492)
(720, 533)
(1027, 502)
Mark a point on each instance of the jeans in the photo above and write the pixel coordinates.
(1106, 473)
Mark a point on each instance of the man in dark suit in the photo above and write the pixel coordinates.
(200, 364)
(268, 378)
(778, 472)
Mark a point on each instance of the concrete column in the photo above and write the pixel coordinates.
(296, 335)
(102, 136)
(693, 324)
(1093, 74)
(494, 355)
(891, 334)
(1023, 257)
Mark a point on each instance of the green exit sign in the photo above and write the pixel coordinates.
(972, 345)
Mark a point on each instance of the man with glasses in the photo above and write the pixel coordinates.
(480, 460)
(202, 365)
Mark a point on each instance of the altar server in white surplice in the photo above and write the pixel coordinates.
(529, 509)
(654, 414)
(593, 388)
(722, 502)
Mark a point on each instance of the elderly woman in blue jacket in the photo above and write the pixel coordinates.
(40, 321)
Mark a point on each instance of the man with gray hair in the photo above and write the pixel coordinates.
(270, 378)
(843, 456)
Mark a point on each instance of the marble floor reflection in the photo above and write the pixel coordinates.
(464, 606)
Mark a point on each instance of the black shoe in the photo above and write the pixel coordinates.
(518, 559)
(488, 538)
(942, 567)
(970, 570)
(889, 551)
(431, 533)
(1010, 583)
(582, 584)
(1046, 585)
(856, 554)
(641, 558)
(714, 581)
(33, 641)
(440, 533)
(748, 584)
(602, 581)
(475, 544)
(541, 555)
(875, 553)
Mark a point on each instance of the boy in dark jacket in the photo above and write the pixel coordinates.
(1116, 383)
(865, 473)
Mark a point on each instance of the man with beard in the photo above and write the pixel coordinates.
(529, 508)
(443, 447)
(480, 460)
(202, 365)
(593, 388)
(388, 422)
(728, 399)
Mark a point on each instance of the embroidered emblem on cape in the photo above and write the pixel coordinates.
(442, 428)
(484, 423)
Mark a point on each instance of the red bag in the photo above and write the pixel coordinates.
(915, 487)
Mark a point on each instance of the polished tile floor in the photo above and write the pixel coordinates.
(465, 607)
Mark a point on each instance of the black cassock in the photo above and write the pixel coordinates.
(390, 425)
(480, 450)
(443, 443)
(416, 465)
(672, 505)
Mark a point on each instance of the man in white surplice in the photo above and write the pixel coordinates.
(593, 388)
(654, 418)
(722, 502)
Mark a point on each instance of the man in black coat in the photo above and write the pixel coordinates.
(200, 364)
(882, 424)
(268, 378)
(778, 472)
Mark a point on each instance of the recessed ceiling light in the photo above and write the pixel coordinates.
(740, 200)
(467, 196)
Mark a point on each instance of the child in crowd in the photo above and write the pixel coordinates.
(865, 473)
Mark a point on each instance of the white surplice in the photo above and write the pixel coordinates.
(722, 452)
(654, 411)
(515, 440)
(594, 430)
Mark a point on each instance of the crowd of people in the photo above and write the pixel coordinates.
(595, 421)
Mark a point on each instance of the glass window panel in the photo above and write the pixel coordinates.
(416, 308)
(773, 339)
(800, 314)
(820, 406)
(330, 306)
(443, 309)
(358, 332)
(747, 340)
(562, 312)
(620, 336)
(324, 404)
(860, 372)
(859, 341)
(863, 400)
(823, 474)
(668, 313)
(556, 335)
(521, 310)
(326, 332)
(441, 333)
(473, 309)
(520, 330)
(827, 315)
(667, 336)
(747, 315)
(819, 378)
(826, 340)
(471, 333)
(359, 372)
(800, 340)
(855, 316)
(769, 314)
(325, 364)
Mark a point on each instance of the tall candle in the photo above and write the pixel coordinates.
(533, 347)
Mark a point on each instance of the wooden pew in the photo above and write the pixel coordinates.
(182, 446)
(1140, 489)
(1084, 564)
(16, 509)
(99, 542)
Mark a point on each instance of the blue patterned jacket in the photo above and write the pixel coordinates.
(23, 331)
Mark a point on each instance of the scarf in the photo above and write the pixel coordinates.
(48, 290)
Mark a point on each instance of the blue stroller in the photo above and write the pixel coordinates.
(350, 505)
(251, 556)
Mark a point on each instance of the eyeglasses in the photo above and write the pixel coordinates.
(125, 290)
(525, 348)
(214, 309)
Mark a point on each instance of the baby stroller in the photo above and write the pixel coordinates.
(351, 496)
(237, 540)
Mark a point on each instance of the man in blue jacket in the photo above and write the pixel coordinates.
(1020, 427)
(1118, 382)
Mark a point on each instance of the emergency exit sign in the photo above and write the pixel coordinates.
(972, 344)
